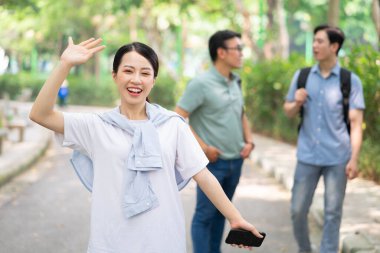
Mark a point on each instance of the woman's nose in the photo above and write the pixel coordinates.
(136, 78)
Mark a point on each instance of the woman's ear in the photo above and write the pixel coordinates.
(113, 75)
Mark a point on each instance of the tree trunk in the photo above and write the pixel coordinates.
(376, 18)
(247, 35)
(269, 45)
(283, 31)
(149, 23)
(333, 13)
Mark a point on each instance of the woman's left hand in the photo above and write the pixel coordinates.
(243, 224)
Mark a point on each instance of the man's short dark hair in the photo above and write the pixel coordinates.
(335, 34)
(217, 40)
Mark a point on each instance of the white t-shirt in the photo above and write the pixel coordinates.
(160, 230)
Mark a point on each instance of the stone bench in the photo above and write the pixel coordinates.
(20, 125)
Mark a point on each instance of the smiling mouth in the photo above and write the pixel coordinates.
(134, 90)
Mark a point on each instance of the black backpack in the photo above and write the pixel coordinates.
(345, 87)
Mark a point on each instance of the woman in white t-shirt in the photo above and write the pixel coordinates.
(134, 158)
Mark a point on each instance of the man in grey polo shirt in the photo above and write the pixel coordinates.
(213, 103)
(325, 147)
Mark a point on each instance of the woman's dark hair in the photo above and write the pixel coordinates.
(335, 34)
(142, 49)
(217, 40)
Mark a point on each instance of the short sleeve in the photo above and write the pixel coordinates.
(190, 158)
(293, 87)
(77, 132)
(356, 94)
(192, 97)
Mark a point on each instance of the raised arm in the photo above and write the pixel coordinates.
(43, 111)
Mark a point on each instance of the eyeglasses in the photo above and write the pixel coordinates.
(238, 48)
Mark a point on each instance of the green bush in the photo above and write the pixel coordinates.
(265, 86)
(13, 84)
(370, 160)
(90, 91)
(163, 92)
(365, 62)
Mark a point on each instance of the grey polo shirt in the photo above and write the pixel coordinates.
(215, 105)
(323, 138)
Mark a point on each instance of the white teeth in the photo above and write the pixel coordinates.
(135, 90)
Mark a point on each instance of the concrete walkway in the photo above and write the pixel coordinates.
(360, 230)
(19, 156)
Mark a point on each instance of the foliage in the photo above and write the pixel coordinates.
(90, 91)
(355, 20)
(163, 92)
(265, 85)
(365, 62)
(12, 84)
(370, 160)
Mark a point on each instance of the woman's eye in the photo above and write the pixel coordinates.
(146, 74)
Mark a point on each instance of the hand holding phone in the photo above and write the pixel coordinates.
(244, 237)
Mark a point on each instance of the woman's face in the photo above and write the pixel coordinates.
(134, 78)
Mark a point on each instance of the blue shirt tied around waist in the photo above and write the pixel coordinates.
(145, 156)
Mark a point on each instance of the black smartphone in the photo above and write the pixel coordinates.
(244, 237)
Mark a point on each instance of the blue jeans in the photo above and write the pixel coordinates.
(305, 182)
(208, 223)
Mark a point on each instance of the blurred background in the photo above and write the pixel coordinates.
(277, 35)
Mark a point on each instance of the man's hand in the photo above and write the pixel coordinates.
(300, 96)
(212, 153)
(352, 169)
(247, 149)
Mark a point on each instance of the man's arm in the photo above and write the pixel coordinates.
(356, 121)
(292, 108)
(247, 133)
(211, 152)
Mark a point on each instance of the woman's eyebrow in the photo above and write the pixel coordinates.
(129, 66)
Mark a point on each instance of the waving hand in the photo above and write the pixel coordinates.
(82, 52)
(43, 111)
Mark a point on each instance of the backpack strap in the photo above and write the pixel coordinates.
(345, 87)
(301, 83)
